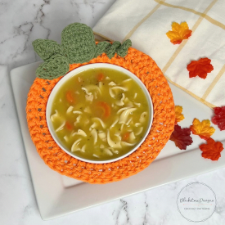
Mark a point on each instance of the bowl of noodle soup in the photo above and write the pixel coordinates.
(99, 113)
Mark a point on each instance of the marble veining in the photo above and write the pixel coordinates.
(21, 22)
(24, 21)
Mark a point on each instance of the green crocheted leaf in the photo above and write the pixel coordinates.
(46, 48)
(78, 43)
(123, 49)
(101, 48)
(111, 50)
(56, 66)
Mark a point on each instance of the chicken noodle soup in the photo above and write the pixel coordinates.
(100, 114)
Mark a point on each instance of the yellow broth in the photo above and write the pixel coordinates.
(100, 114)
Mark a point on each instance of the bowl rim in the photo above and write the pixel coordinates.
(78, 71)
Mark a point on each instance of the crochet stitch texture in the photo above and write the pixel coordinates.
(163, 123)
(78, 43)
(47, 48)
(53, 68)
(78, 46)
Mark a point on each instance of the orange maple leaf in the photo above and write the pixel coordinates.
(178, 114)
(202, 129)
(212, 149)
(179, 32)
(200, 68)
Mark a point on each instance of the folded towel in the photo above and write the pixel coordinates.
(146, 23)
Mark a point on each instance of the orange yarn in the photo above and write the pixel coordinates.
(163, 124)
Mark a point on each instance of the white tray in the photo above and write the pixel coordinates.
(59, 195)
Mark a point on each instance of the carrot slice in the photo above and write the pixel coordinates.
(100, 77)
(69, 97)
(106, 109)
(126, 136)
(68, 125)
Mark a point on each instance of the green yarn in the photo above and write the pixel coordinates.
(111, 50)
(123, 49)
(46, 48)
(78, 43)
(78, 46)
(101, 47)
(56, 66)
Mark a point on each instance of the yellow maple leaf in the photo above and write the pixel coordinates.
(202, 129)
(179, 32)
(178, 114)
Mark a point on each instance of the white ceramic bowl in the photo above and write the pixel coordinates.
(78, 71)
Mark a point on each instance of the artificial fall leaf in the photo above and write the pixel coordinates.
(202, 129)
(219, 117)
(212, 149)
(181, 137)
(178, 114)
(179, 32)
(200, 68)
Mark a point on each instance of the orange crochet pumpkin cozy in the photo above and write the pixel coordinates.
(163, 123)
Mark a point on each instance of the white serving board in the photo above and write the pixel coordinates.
(58, 195)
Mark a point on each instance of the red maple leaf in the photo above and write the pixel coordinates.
(212, 149)
(181, 137)
(200, 68)
(219, 117)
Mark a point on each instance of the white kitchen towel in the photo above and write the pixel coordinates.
(146, 23)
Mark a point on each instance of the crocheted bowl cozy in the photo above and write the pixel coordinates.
(163, 123)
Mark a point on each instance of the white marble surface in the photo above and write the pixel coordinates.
(20, 23)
